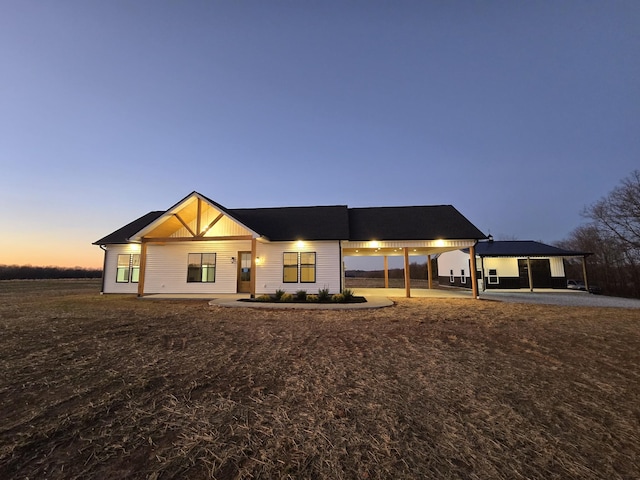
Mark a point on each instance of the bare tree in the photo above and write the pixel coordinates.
(613, 236)
(619, 212)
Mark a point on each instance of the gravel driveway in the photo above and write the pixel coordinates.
(577, 299)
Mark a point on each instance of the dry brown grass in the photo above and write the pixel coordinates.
(114, 387)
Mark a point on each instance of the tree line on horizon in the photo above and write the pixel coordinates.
(30, 272)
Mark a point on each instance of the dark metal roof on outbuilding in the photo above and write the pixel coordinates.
(522, 248)
(410, 223)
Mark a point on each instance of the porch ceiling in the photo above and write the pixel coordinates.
(375, 248)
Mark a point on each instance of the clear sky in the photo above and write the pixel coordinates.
(517, 113)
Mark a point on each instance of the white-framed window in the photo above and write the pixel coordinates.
(128, 268)
(463, 278)
(493, 277)
(452, 279)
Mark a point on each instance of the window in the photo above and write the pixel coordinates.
(299, 267)
(135, 268)
(128, 269)
(307, 267)
(202, 267)
(290, 267)
(493, 276)
(463, 278)
(451, 277)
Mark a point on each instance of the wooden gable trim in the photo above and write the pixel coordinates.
(185, 224)
(198, 215)
(210, 226)
(194, 239)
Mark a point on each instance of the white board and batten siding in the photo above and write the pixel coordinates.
(269, 273)
(111, 267)
(167, 264)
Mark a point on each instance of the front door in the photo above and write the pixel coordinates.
(244, 272)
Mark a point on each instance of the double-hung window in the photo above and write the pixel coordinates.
(202, 268)
(290, 267)
(463, 278)
(128, 269)
(307, 267)
(299, 267)
(493, 277)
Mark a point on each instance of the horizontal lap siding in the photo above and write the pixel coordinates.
(111, 266)
(270, 270)
(166, 270)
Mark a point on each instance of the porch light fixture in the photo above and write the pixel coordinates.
(300, 243)
(233, 259)
(258, 260)
(439, 243)
(374, 243)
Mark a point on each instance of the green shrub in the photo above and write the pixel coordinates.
(286, 297)
(264, 298)
(312, 298)
(323, 295)
(347, 293)
(301, 295)
(279, 294)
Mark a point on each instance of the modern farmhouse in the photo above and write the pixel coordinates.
(508, 264)
(200, 247)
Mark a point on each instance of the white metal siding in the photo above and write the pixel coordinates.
(505, 267)
(166, 270)
(269, 272)
(557, 266)
(111, 266)
(455, 260)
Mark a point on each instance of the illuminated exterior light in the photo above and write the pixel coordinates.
(258, 260)
(440, 243)
(300, 243)
(374, 244)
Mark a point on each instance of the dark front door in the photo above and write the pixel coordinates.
(540, 273)
(244, 272)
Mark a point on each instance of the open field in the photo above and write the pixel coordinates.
(113, 387)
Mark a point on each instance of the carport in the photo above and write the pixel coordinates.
(409, 231)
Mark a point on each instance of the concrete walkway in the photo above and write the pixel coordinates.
(376, 298)
(372, 302)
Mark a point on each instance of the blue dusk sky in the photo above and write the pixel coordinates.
(519, 114)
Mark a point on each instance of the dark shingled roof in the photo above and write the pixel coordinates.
(122, 234)
(410, 223)
(522, 248)
(296, 223)
(336, 222)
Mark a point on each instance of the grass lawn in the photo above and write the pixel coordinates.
(98, 386)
